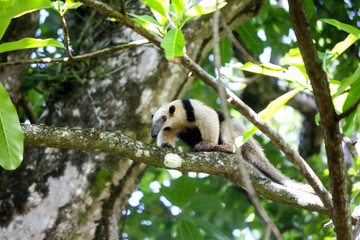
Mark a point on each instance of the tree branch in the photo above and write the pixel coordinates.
(320, 84)
(79, 57)
(348, 111)
(66, 36)
(215, 163)
(250, 115)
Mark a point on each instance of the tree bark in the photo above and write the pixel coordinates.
(333, 145)
(62, 194)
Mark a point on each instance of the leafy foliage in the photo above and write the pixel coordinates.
(11, 135)
(174, 16)
(196, 206)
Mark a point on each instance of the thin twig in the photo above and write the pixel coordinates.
(236, 43)
(243, 174)
(66, 36)
(123, 222)
(28, 108)
(351, 146)
(348, 111)
(122, 7)
(79, 57)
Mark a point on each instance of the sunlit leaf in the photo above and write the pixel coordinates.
(29, 43)
(11, 135)
(159, 8)
(343, 45)
(173, 44)
(179, 5)
(346, 82)
(69, 4)
(13, 9)
(292, 73)
(343, 26)
(270, 110)
(339, 102)
(294, 58)
(148, 22)
(201, 10)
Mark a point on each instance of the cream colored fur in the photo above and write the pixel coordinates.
(207, 120)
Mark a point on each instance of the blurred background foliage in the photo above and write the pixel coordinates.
(200, 206)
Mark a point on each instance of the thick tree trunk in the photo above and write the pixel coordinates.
(61, 194)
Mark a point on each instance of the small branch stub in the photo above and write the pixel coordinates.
(172, 160)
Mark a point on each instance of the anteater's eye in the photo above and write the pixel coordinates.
(164, 118)
(152, 116)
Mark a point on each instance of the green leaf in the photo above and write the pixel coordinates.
(159, 9)
(270, 110)
(204, 203)
(343, 26)
(343, 45)
(212, 229)
(29, 43)
(69, 4)
(294, 58)
(226, 50)
(179, 5)
(148, 22)
(11, 135)
(248, 34)
(346, 82)
(187, 230)
(200, 10)
(173, 44)
(309, 8)
(159, 16)
(354, 95)
(13, 9)
(180, 191)
(292, 73)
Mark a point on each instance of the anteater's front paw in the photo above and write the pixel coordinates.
(167, 145)
(203, 147)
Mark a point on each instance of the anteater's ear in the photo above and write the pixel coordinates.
(172, 109)
(152, 116)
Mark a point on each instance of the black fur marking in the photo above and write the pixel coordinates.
(190, 136)
(167, 129)
(189, 109)
(172, 109)
(167, 145)
(221, 117)
(220, 114)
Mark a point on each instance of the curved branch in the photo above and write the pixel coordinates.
(249, 114)
(215, 163)
(79, 57)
